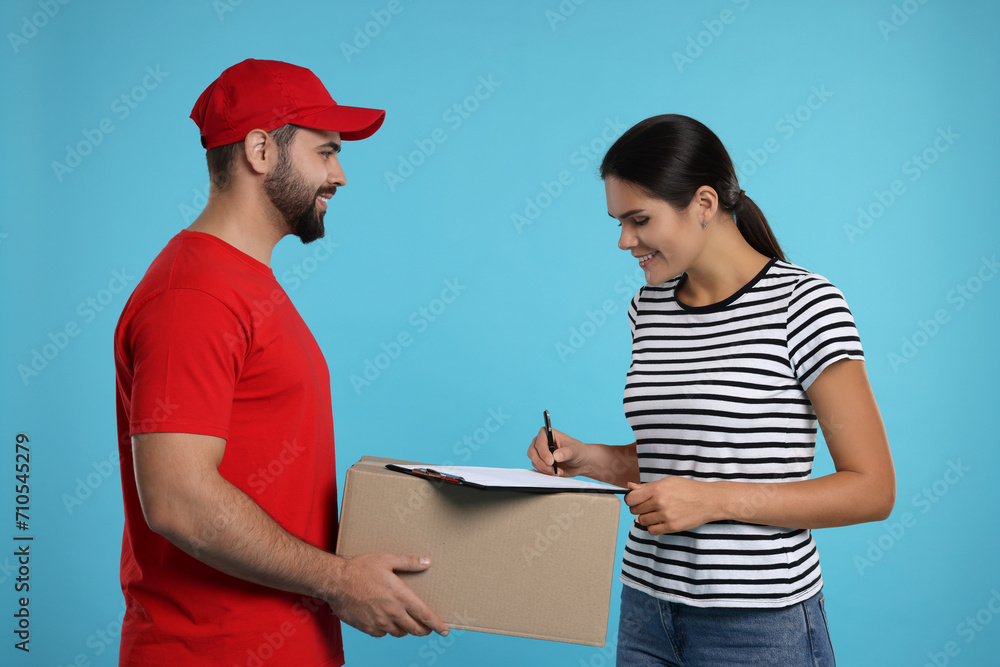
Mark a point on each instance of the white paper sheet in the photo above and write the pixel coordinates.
(518, 478)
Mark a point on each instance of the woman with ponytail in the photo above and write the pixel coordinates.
(737, 354)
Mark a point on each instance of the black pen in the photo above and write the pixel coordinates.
(552, 443)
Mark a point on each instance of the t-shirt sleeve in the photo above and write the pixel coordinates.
(633, 312)
(820, 329)
(188, 350)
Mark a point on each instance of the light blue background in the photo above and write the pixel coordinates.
(897, 592)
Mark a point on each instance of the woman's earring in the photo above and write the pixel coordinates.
(704, 224)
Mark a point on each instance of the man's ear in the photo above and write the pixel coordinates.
(260, 151)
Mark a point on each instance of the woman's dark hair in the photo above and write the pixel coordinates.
(671, 156)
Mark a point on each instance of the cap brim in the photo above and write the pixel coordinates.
(353, 123)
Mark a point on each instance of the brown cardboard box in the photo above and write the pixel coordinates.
(518, 563)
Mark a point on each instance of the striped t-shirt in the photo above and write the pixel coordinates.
(718, 393)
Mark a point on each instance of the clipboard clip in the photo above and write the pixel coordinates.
(431, 473)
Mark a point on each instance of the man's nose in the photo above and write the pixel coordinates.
(335, 175)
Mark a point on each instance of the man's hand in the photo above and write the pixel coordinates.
(369, 596)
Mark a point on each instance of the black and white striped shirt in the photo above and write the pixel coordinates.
(718, 393)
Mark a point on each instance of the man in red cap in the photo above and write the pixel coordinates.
(224, 419)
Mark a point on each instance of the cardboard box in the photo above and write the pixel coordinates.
(528, 564)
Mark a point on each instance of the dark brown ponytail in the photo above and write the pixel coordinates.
(671, 156)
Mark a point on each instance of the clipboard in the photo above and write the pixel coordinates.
(504, 479)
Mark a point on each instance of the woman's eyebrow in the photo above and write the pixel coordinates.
(627, 214)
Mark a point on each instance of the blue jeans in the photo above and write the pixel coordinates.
(654, 632)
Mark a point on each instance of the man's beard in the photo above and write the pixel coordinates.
(295, 200)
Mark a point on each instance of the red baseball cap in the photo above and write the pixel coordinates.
(266, 94)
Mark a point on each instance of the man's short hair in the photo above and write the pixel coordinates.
(221, 159)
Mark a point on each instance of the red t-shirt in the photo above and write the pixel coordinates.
(209, 343)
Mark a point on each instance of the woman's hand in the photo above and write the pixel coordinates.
(612, 464)
(570, 454)
(672, 504)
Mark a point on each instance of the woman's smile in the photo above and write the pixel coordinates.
(646, 259)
